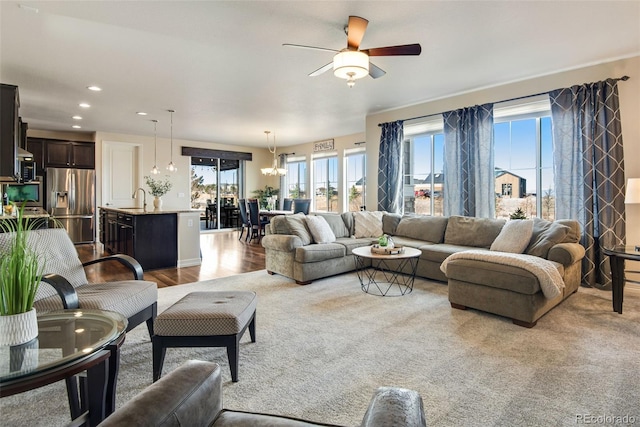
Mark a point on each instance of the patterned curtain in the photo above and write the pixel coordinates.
(468, 162)
(589, 170)
(390, 167)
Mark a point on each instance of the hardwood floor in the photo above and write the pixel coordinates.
(222, 255)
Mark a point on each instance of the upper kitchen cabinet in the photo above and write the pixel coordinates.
(70, 154)
(9, 129)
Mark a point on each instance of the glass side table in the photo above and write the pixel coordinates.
(69, 342)
(617, 256)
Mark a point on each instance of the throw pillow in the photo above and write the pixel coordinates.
(545, 235)
(514, 236)
(298, 227)
(367, 224)
(320, 229)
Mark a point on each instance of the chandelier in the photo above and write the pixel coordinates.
(155, 170)
(274, 170)
(171, 167)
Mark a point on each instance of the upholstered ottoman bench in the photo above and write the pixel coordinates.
(205, 319)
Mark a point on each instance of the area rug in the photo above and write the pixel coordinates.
(322, 349)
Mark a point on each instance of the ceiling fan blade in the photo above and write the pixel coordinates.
(355, 31)
(309, 47)
(322, 69)
(405, 49)
(375, 71)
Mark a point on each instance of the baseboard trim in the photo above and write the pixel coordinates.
(189, 262)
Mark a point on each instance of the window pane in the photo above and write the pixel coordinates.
(423, 180)
(325, 184)
(355, 180)
(295, 178)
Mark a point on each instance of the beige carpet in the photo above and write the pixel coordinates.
(323, 348)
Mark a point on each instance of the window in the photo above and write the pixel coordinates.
(325, 184)
(523, 156)
(296, 178)
(423, 159)
(355, 173)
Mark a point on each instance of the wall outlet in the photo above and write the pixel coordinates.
(189, 223)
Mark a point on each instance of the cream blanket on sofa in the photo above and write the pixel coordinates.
(545, 271)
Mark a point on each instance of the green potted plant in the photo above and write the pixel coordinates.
(158, 189)
(20, 275)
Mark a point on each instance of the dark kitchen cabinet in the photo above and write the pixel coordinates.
(36, 147)
(151, 238)
(9, 129)
(69, 154)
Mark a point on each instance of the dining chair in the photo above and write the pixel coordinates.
(242, 205)
(301, 205)
(257, 223)
(287, 204)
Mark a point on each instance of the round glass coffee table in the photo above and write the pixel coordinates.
(388, 275)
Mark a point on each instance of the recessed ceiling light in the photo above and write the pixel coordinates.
(94, 88)
(76, 118)
(76, 127)
(84, 105)
(141, 113)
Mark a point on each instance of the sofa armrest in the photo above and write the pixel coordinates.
(188, 396)
(281, 242)
(566, 253)
(395, 406)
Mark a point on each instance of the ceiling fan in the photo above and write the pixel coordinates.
(352, 63)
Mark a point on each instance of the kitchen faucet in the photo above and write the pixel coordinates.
(144, 197)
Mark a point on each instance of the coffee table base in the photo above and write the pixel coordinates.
(381, 280)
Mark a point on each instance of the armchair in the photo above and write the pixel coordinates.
(191, 396)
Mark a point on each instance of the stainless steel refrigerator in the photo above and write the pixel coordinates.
(71, 200)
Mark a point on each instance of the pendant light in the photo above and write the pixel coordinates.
(154, 169)
(171, 167)
(274, 170)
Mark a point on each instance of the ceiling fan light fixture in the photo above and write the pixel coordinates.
(351, 65)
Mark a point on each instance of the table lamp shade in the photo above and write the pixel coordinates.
(632, 196)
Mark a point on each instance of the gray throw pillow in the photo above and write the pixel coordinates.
(320, 230)
(336, 223)
(298, 227)
(514, 236)
(545, 235)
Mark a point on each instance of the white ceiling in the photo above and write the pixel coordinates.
(222, 67)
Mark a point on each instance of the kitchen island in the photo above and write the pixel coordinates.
(38, 217)
(150, 236)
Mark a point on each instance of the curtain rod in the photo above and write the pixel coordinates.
(623, 78)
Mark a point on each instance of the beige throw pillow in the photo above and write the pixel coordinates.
(514, 236)
(320, 229)
(367, 224)
(298, 226)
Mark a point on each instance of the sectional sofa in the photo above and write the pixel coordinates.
(520, 270)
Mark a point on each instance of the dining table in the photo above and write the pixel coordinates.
(273, 212)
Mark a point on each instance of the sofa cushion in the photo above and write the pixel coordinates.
(279, 225)
(336, 223)
(407, 241)
(317, 252)
(319, 229)
(298, 226)
(471, 231)
(438, 253)
(350, 244)
(390, 222)
(423, 227)
(514, 237)
(545, 235)
(367, 224)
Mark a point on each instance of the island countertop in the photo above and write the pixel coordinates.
(141, 211)
(27, 213)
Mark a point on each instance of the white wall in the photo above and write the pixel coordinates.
(629, 105)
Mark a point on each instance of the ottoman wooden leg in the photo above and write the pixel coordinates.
(159, 350)
(233, 354)
(252, 328)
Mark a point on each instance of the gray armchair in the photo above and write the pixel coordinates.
(192, 396)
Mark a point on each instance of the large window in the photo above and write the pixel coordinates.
(424, 179)
(524, 164)
(213, 181)
(325, 184)
(296, 178)
(355, 173)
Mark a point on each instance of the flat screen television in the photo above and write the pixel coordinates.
(29, 193)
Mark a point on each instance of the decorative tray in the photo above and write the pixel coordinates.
(383, 250)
